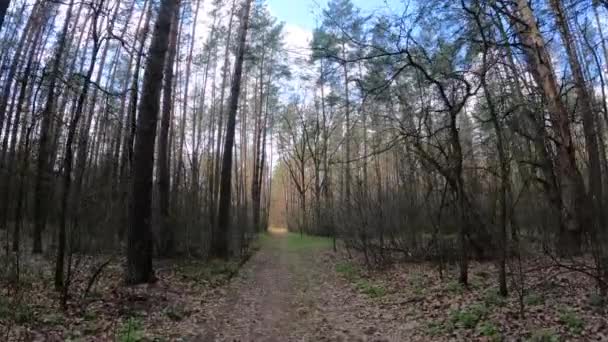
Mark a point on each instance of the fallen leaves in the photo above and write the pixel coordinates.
(300, 291)
(557, 304)
(170, 308)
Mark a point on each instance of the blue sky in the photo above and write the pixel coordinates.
(301, 16)
(301, 12)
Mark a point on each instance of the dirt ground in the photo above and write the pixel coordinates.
(290, 291)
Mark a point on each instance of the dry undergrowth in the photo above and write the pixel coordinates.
(298, 290)
(558, 304)
(170, 308)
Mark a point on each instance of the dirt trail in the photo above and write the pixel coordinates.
(289, 291)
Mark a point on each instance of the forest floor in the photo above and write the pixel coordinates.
(290, 291)
(296, 288)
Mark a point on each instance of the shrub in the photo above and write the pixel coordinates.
(454, 287)
(468, 318)
(488, 329)
(439, 328)
(533, 299)
(417, 284)
(23, 314)
(596, 300)
(372, 290)
(572, 321)
(5, 310)
(131, 331)
(18, 312)
(493, 298)
(348, 270)
(544, 335)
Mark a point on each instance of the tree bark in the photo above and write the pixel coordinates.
(42, 188)
(595, 215)
(139, 241)
(3, 8)
(69, 156)
(220, 127)
(180, 153)
(167, 237)
(221, 243)
(129, 137)
(571, 186)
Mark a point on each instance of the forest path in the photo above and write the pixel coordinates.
(290, 291)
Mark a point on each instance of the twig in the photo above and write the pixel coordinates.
(94, 277)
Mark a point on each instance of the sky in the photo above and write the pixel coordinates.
(301, 16)
(302, 13)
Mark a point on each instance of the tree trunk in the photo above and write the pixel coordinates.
(3, 7)
(167, 237)
(347, 142)
(13, 148)
(256, 179)
(594, 213)
(127, 150)
(180, 153)
(8, 153)
(139, 241)
(221, 243)
(572, 194)
(69, 156)
(30, 30)
(42, 188)
(220, 126)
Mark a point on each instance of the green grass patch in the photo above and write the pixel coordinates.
(217, 267)
(348, 270)
(533, 299)
(20, 313)
(265, 240)
(439, 328)
(23, 314)
(417, 280)
(468, 317)
(418, 291)
(131, 331)
(351, 273)
(418, 285)
(544, 335)
(572, 321)
(454, 287)
(214, 272)
(297, 242)
(370, 289)
(493, 298)
(489, 330)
